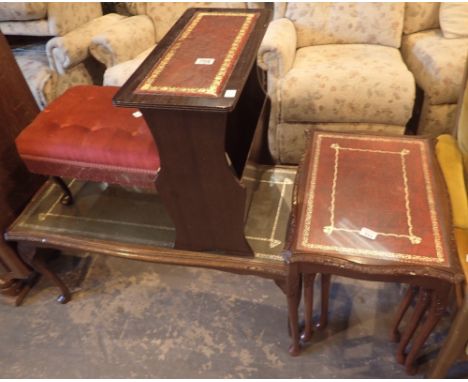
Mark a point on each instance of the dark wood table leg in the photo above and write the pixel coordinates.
(28, 253)
(437, 307)
(455, 344)
(421, 305)
(294, 297)
(308, 280)
(326, 280)
(402, 309)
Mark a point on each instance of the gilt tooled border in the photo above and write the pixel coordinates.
(212, 90)
(369, 252)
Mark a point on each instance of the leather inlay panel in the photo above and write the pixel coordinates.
(382, 184)
(218, 37)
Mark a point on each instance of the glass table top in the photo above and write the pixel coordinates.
(108, 213)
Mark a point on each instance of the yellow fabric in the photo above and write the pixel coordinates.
(462, 132)
(461, 238)
(451, 163)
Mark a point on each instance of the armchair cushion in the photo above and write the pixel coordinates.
(453, 19)
(421, 17)
(60, 19)
(278, 49)
(113, 46)
(437, 64)
(22, 11)
(347, 23)
(347, 83)
(118, 74)
(69, 50)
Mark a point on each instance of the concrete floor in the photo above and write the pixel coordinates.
(131, 319)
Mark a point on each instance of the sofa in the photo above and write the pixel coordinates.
(123, 46)
(435, 47)
(336, 67)
(43, 38)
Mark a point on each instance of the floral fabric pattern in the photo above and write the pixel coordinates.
(164, 15)
(291, 138)
(69, 50)
(25, 28)
(22, 11)
(113, 46)
(278, 48)
(437, 64)
(347, 83)
(420, 17)
(437, 119)
(347, 23)
(118, 74)
(59, 19)
(453, 18)
(44, 83)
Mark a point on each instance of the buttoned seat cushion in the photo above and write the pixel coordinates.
(82, 135)
(349, 83)
(437, 64)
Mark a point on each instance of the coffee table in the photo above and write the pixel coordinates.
(374, 208)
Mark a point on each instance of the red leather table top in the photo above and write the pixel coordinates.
(201, 59)
(81, 134)
(371, 199)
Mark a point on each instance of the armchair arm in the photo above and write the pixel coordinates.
(278, 48)
(451, 163)
(69, 50)
(123, 41)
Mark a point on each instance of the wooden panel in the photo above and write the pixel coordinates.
(17, 109)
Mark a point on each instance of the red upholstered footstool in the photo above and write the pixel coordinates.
(82, 135)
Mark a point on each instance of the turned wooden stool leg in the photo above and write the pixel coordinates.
(437, 307)
(402, 309)
(67, 198)
(325, 287)
(28, 253)
(308, 280)
(294, 297)
(421, 305)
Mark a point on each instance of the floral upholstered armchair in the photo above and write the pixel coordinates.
(334, 66)
(435, 46)
(124, 45)
(56, 59)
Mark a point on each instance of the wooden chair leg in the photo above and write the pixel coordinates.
(454, 346)
(402, 309)
(308, 280)
(294, 296)
(437, 307)
(421, 306)
(325, 299)
(67, 198)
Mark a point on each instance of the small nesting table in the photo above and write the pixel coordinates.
(374, 208)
